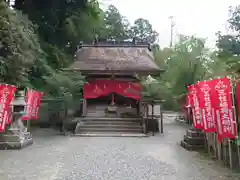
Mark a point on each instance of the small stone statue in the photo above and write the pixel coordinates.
(17, 125)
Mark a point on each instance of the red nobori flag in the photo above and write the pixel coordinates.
(36, 104)
(29, 105)
(188, 100)
(238, 99)
(193, 94)
(9, 117)
(223, 105)
(6, 96)
(205, 104)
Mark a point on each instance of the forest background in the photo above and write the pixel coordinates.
(38, 38)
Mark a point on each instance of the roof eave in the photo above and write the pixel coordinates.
(143, 72)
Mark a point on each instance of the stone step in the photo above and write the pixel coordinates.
(107, 129)
(111, 134)
(99, 118)
(129, 123)
(99, 107)
(96, 112)
(108, 124)
(95, 115)
(123, 126)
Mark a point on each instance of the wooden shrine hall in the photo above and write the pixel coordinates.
(112, 95)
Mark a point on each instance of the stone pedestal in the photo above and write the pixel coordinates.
(15, 137)
(13, 140)
(193, 140)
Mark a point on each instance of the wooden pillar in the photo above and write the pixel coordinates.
(161, 120)
(146, 116)
(219, 148)
(230, 153)
(153, 120)
(238, 151)
(84, 108)
(139, 108)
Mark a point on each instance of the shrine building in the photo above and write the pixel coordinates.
(112, 94)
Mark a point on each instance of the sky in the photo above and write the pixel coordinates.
(192, 17)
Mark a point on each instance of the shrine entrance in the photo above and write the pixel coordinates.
(112, 105)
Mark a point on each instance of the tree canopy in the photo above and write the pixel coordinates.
(229, 44)
(39, 38)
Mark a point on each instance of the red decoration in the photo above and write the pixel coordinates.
(33, 101)
(222, 102)
(104, 87)
(29, 104)
(9, 116)
(193, 94)
(6, 96)
(188, 103)
(36, 105)
(205, 104)
(238, 98)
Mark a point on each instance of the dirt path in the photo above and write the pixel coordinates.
(54, 157)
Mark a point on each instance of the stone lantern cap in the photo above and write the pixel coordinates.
(19, 99)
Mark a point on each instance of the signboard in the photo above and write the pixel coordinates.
(149, 110)
(156, 110)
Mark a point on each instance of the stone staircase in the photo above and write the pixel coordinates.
(98, 123)
(109, 125)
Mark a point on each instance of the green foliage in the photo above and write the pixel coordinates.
(19, 46)
(36, 49)
(229, 44)
(142, 30)
(51, 16)
(60, 26)
(116, 27)
(186, 63)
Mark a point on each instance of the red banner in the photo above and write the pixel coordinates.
(29, 104)
(9, 116)
(186, 108)
(6, 96)
(238, 99)
(223, 105)
(205, 104)
(33, 101)
(104, 87)
(36, 105)
(188, 103)
(193, 94)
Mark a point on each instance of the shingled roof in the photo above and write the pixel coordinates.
(115, 58)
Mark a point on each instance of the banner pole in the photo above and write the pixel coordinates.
(236, 118)
(234, 125)
(218, 147)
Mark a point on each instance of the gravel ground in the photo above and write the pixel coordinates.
(54, 157)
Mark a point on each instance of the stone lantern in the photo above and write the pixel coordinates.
(16, 136)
